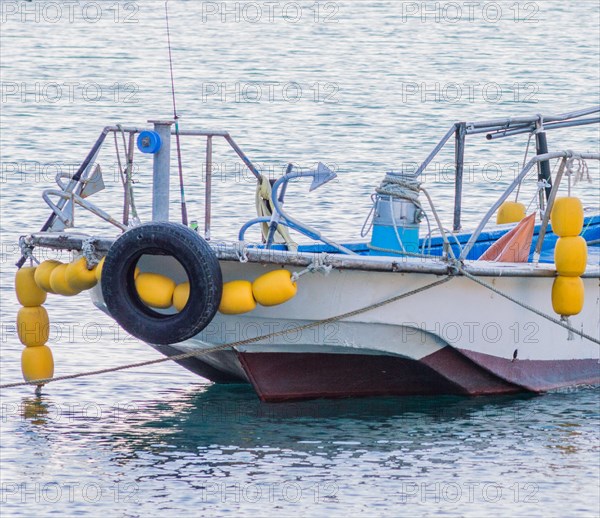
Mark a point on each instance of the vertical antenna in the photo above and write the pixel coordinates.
(184, 218)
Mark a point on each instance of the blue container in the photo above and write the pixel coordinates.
(148, 142)
(384, 236)
(395, 226)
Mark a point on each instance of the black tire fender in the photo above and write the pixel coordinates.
(198, 260)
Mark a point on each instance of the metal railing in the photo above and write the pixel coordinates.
(69, 192)
(495, 128)
(500, 128)
(209, 135)
(535, 160)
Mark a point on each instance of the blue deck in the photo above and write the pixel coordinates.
(591, 233)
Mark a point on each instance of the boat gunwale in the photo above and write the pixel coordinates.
(232, 252)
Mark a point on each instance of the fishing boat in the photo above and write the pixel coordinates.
(414, 308)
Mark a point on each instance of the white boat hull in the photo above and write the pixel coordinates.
(457, 338)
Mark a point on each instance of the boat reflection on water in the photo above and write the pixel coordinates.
(231, 415)
(229, 448)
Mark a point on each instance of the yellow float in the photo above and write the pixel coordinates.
(181, 295)
(567, 217)
(567, 295)
(28, 292)
(510, 212)
(42, 274)
(33, 326)
(274, 288)
(155, 290)
(37, 363)
(237, 298)
(58, 281)
(98, 269)
(570, 256)
(79, 277)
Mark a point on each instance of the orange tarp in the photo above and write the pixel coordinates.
(514, 246)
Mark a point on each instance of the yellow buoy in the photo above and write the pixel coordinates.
(136, 272)
(155, 290)
(181, 295)
(567, 295)
(274, 288)
(28, 292)
(79, 277)
(58, 281)
(237, 298)
(510, 212)
(37, 363)
(570, 256)
(33, 326)
(567, 217)
(98, 269)
(42, 274)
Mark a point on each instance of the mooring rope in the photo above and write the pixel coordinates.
(247, 341)
(527, 306)
(458, 266)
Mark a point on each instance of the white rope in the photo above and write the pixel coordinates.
(580, 173)
(565, 319)
(27, 249)
(539, 127)
(241, 251)
(88, 250)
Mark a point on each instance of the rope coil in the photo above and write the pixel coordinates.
(402, 187)
(88, 250)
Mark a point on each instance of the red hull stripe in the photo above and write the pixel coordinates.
(288, 376)
(540, 375)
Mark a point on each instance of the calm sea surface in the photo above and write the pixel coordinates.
(365, 87)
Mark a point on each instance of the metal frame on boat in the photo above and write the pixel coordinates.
(436, 320)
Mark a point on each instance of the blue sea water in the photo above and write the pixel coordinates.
(365, 87)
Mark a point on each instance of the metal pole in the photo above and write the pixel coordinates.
(161, 172)
(546, 218)
(487, 129)
(534, 118)
(500, 133)
(544, 173)
(435, 151)
(208, 196)
(459, 159)
(242, 155)
(129, 171)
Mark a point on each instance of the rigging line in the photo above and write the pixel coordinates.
(184, 217)
(247, 341)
